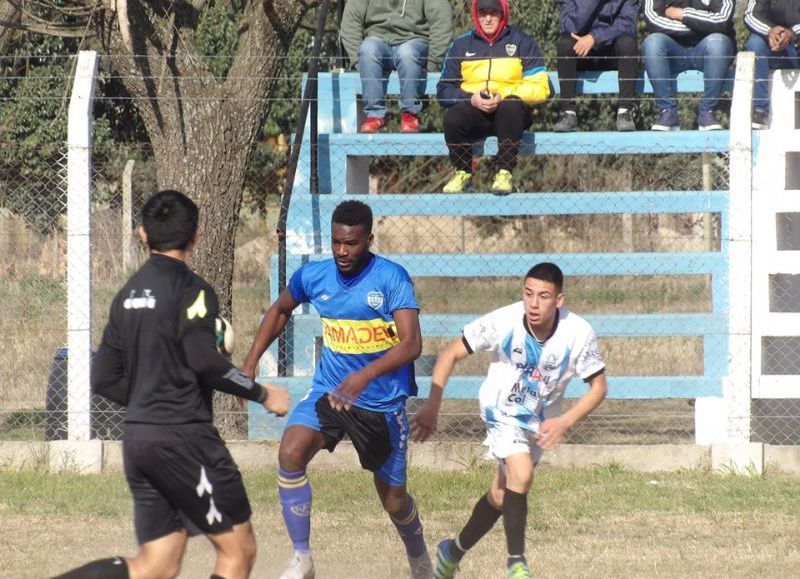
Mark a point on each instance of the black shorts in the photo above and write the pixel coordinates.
(182, 477)
(379, 438)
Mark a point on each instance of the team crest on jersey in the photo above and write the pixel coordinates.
(551, 363)
(511, 49)
(375, 300)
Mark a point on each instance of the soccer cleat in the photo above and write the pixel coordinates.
(421, 567)
(519, 570)
(373, 124)
(502, 183)
(409, 123)
(708, 121)
(625, 121)
(461, 181)
(667, 121)
(760, 119)
(567, 122)
(300, 567)
(446, 566)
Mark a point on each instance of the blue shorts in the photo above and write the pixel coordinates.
(380, 438)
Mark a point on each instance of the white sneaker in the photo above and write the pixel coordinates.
(300, 567)
(421, 567)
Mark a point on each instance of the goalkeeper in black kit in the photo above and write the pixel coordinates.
(159, 358)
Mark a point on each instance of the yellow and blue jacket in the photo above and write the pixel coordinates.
(510, 65)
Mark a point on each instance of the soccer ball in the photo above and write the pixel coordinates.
(224, 334)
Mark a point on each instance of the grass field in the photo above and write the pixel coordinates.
(599, 522)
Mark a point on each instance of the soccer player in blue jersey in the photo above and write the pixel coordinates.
(537, 347)
(371, 337)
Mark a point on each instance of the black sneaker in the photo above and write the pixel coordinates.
(760, 119)
(567, 122)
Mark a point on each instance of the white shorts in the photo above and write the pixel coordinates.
(504, 440)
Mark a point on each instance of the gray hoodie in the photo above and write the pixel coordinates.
(396, 22)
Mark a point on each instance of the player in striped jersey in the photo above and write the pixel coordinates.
(537, 347)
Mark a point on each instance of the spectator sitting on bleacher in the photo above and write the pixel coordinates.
(688, 35)
(774, 27)
(409, 37)
(596, 35)
(491, 76)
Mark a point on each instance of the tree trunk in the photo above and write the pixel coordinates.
(11, 14)
(202, 129)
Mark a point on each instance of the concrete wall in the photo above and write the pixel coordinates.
(96, 456)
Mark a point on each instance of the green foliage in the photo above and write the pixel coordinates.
(33, 128)
(21, 424)
(266, 175)
(216, 35)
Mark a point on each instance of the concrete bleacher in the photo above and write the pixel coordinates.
(344, 157)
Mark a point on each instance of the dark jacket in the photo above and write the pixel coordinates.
(761, 15)
(699, 18)
(510, 64)
(605, 20)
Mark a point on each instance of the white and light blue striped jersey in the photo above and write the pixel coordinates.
(527, 379)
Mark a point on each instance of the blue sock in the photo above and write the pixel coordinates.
(410, 528)
(295, 494)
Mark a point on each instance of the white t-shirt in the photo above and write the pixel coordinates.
(526, 380)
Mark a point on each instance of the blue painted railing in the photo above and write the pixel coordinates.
(344, 154)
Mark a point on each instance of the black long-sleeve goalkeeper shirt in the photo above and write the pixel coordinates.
(158, 355)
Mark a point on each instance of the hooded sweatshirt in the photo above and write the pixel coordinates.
(509, 63)
(396, 22)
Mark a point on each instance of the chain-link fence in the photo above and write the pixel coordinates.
(33, 282)
(643, 238)
(468, 253)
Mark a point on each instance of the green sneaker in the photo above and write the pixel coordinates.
(502, 183)
(445, 565)
(461, 182)
(519, 570)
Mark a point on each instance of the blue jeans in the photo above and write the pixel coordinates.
(664, 57)
(767, 60)
(376, 59)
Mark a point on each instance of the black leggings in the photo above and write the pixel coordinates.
(621, 55)
(464, 125)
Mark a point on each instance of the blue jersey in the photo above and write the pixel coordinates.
(358, 325)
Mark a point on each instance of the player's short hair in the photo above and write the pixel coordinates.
(170, 220)
(548, 272)
(353, 213)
